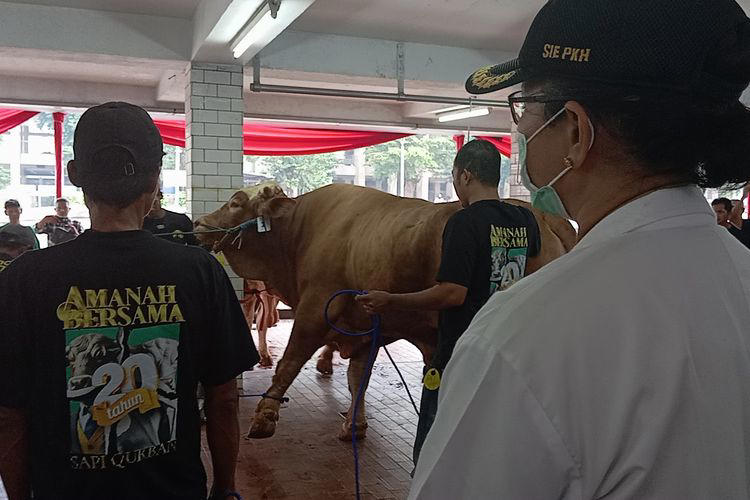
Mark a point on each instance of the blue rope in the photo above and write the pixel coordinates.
(375, 332)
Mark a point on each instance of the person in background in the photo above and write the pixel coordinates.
(59, 228)
(14, 241)
(101, 357)
(260, 307)
(723, 209)
(738, 210)
(13, 210)
(169, 225)
(736, 220)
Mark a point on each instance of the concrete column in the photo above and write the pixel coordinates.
(516, 188)
(214, 108)
(360, 172)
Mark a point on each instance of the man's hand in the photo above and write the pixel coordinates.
(375, 301)
(50, 219)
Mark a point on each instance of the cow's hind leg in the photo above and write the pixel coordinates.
(357, 370)
(304, 341)
(265, 356)
(325, 360)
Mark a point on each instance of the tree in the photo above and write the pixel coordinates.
(422, 153)
(302, 173)
(431, 154)
(45, 121)
(4, 176)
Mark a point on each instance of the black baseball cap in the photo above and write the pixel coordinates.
(12, 235)
(695, 47)
(118, 124)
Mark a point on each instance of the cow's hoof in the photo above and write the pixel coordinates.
(346, 431)
(266, 361)
(262, 428)
(264, 421)
(325, 366)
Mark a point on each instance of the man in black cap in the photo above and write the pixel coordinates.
(13, 210)
(101, 358)
(620, 370)
(14, 240)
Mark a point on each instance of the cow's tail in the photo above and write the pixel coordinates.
(563, 229)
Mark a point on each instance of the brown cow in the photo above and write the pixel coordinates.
(344, 237)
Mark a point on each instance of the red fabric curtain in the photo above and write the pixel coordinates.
(10, 118)
(501, 143)
(263, 140)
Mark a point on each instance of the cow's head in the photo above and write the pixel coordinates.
(263, 200)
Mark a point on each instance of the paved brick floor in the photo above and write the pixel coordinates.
(305, 459)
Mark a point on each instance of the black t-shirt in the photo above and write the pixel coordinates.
(105, 354)
(173, 223)
(485, 247)
(742, 234)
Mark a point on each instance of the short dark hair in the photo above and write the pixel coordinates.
(117, 191)
(696, 140)
(62, 200)
(723, 201)
(11, 203)
(482, 159)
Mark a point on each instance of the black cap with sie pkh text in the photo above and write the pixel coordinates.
(695, 47)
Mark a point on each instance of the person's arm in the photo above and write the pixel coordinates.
(14, 453)
(229, 351)
(36, 240)
(459, 254)
(441, 296)
(186, 226)
(41, 226)
(223, 433)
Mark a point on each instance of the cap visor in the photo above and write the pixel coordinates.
(492, 78)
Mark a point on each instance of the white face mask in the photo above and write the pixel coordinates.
(544, 198)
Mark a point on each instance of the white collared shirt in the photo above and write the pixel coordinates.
(621, 370)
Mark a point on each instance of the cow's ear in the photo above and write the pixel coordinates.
(277, 207)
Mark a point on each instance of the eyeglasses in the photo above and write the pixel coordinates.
(518, 102)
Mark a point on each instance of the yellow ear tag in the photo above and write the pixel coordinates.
(432, 379)
(220, 257)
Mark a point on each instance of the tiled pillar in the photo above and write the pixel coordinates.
(516, 188)
(214, 108)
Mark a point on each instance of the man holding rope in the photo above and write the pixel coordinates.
(485, 247)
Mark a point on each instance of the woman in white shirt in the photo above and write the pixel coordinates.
(622, 369)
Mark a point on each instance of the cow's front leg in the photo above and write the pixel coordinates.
(357, 370)
(305, 339)
(325, 360)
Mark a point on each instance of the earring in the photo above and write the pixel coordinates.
(568, 162)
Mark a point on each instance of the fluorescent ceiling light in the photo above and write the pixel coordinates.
(452, 108)
(256, 29)
(463, 114)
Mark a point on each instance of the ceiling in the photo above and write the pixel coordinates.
(480, 24)
(168, 8)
